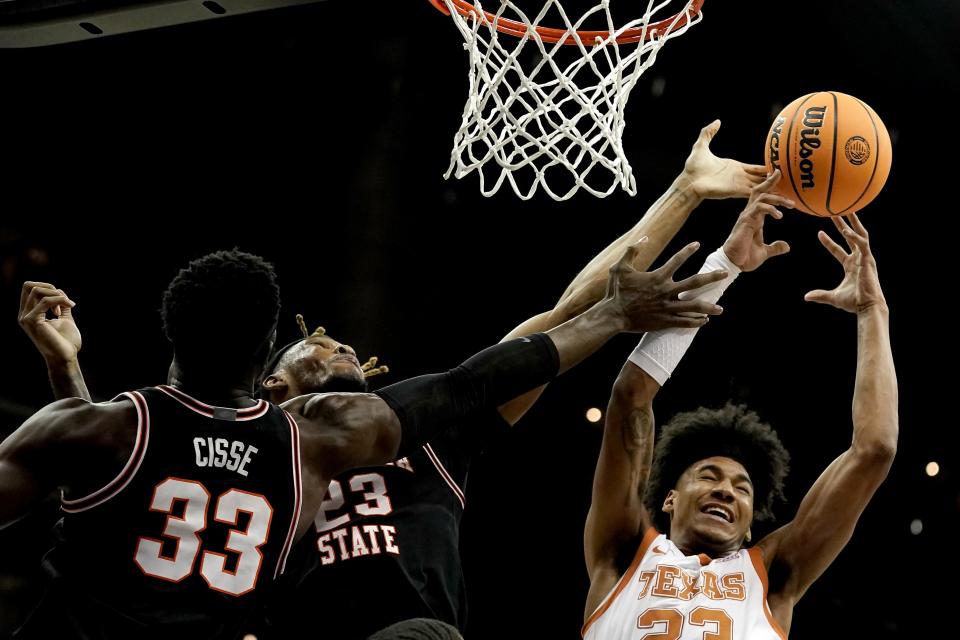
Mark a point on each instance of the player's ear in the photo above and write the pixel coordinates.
(275, 382)
(669, 501)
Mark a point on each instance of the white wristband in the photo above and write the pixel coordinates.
(659, 352)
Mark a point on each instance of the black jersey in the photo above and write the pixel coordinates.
(385, 546)
(202, 516)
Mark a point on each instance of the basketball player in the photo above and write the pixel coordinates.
(379, 586)
(143, 476)
(666, 533)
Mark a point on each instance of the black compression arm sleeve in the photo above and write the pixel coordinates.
(427, 405)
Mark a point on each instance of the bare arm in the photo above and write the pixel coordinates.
(67, 381)
(617, 516)
(704, 176)
(805, 547)
(61, 443)
(656, 229)
(57, 339)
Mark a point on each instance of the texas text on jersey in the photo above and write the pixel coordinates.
(667, 594)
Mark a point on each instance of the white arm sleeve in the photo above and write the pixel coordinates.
(659, 351)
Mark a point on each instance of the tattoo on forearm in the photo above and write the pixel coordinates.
(679, 195)
(637, 436)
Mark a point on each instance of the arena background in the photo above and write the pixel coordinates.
(318, 136)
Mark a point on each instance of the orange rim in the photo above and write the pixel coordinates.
(547, 34)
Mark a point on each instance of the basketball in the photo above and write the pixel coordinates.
(833, 152)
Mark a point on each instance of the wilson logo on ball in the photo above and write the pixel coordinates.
(810, 142)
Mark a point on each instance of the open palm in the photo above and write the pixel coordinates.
(717, 178)
(860, 288)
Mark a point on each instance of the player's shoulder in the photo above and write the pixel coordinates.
(78, 419)
(78, 409)
(327, 414)
(64, 427)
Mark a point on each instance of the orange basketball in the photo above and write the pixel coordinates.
(833, 153)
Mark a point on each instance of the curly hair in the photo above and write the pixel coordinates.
(221, 309)
(731, 431)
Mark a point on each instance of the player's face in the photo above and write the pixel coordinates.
(712, 505)
(323, 364)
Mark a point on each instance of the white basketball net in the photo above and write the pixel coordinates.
(535, 119)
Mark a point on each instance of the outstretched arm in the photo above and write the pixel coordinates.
(805, 547)
(617, 516)
(57, 339)
(704, 176)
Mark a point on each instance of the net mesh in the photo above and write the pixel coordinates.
(546, 110)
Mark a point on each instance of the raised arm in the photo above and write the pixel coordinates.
(704, 176)
(57, 339)
(801, 550)
(617, 517)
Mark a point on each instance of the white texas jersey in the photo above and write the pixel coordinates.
(669, 596)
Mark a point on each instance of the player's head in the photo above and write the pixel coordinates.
(714, 472)
(314, 364)
(220, 315)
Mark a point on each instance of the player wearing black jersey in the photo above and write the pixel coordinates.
(175, 510)
(225, 544)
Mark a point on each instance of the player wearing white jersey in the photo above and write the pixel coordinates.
(665, 590)
(716, 471)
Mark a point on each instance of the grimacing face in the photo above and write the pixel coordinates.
(319, 364)
(711, 506)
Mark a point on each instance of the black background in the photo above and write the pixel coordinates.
(318, 137)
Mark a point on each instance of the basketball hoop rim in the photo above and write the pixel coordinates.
(548, 34)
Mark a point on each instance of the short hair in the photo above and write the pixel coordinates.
(281, 357)
(731, 431)
(221, 310)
